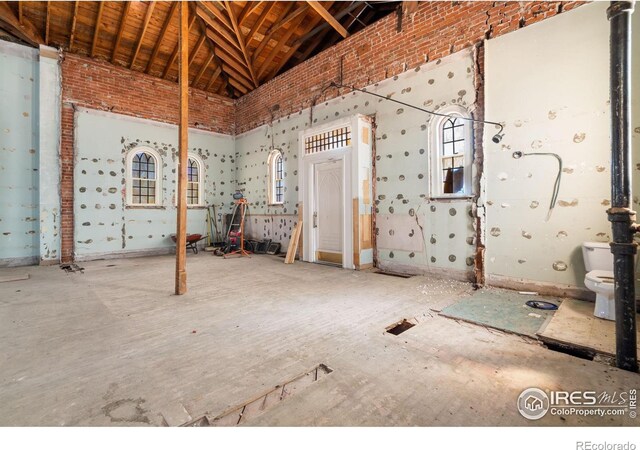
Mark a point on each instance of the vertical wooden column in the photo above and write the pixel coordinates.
(181, 232)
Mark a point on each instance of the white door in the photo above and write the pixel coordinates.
(328, 220)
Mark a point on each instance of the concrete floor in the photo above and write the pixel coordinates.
(113, 346)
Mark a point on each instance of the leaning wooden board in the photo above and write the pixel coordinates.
(293, 244)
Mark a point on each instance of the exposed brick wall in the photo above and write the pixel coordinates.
(435, 30)
(100, 85)
(66, 183)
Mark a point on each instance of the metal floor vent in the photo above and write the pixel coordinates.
(72, 268)
(253, 408)
(401, 327)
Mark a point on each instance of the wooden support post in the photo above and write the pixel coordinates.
(181, 232)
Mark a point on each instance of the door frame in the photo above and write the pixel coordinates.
(306, 192)
(315, 232)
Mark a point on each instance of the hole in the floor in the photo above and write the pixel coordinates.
(253, 408)
(110, 265)
(400, 327)
(573, 351)
(394, 274)
(71, 268)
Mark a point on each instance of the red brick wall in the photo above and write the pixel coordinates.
(66, 183)
(435, 30)
(100, 85)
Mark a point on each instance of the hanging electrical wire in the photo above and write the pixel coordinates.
(496, 137)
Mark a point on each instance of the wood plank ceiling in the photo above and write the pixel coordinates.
(235, 46)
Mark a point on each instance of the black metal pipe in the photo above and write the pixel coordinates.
(620, 214)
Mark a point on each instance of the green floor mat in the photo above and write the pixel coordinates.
(501, 309)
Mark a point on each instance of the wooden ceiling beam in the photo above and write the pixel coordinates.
(196, 49)
(238, 86)
(258, 23)
(328, 17)
(296, 45)
(25, 30)
(97, 30)
(216, 12)
(47, 22)
(174, 54)
(325, 26)
(214, 77)
(285, 18)
(283, 40)
(163, 33)
(248, 9)
(240, 37)
(221, 44)
(123, 20)
(145, 25)
(227, 34)
(232, 67)
(202, 70)
(20, 11)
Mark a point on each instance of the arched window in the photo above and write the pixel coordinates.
(452, 154)
(194, 181)
(276, 178)
(143, 177)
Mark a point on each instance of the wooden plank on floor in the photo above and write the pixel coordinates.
(15, 277)
(293, 244)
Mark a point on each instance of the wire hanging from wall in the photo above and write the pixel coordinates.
(556, 185)
(496, 137)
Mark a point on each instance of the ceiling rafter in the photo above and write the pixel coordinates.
(174, 54)
(285, 18)
(48, 22)
(145, 25)
(212, 49)
(325, 26)
(241, 41)
(202, 70)
(217, 12)
(326, 15)
(295, 46)
(258, 23)
(163, 33)
(283, 40)
(231, 51)
(214, 77)
(25, 30)
(123, 20)
(214, 24)
(248, 9)
(97, 29)
(196, 49)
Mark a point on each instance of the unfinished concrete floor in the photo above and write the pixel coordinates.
(113, 346)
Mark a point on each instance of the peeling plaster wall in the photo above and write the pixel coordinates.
(549, 84)
(414, 233)
(252, 149)
(104, 225)
(19, 93)
(49, 155)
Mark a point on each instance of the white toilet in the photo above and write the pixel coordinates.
(598, 261)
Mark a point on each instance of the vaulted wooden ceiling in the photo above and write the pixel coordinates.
(234, 46)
